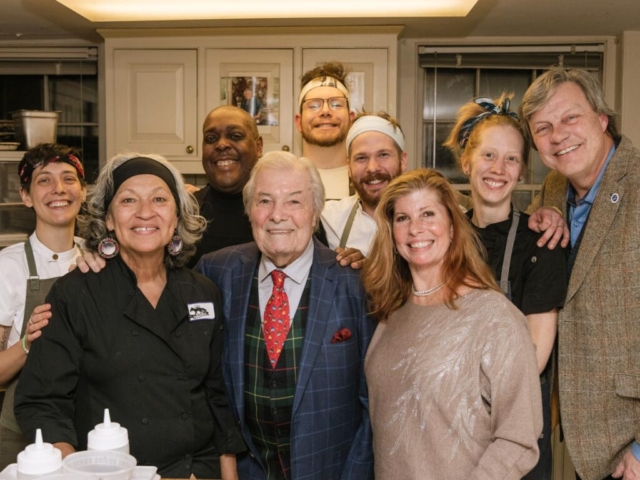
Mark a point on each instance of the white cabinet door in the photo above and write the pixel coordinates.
(155, 102)
(370, 83)
(265, 76)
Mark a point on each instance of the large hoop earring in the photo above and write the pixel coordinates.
(108, 247)
(174, 247)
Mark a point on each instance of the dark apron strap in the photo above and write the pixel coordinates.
(37, 291)
(347, 228)
(33, 285)
(508, 251)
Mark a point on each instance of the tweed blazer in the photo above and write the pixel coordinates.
(330, 428)
(599, 326)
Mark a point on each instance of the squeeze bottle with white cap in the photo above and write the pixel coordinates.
(108, 436)
(39, 459)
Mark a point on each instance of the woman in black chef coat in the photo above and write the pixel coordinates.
(142, 337)
(493, 153)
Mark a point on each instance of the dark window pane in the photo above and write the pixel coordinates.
(75, 97)
(20, 92)
(452, 88)
(85, 139)
(494, 82)
(445, 162)
(539, 169)
(521, 199)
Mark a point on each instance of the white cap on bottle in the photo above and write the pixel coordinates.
(108, 436)
(39, 459)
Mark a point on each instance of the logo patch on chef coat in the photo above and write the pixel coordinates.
(201, 311)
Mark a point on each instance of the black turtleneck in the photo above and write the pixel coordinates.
(227, 223)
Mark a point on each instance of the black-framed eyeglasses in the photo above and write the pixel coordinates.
(316, 104)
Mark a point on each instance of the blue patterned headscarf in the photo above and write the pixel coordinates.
(491, 109)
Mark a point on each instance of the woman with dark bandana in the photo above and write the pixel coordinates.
(142, 337)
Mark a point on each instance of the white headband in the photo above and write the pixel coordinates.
(322, 82)
(374, 123)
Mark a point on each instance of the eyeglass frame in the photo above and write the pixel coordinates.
(324, 100)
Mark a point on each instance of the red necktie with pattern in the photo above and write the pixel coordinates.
(276, 318)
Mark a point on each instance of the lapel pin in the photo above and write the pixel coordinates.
(614, 198)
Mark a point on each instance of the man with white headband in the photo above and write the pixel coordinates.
(324, 120)
(375, 147)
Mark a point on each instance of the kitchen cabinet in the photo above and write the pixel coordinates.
(161, 83)
(155, 102)
(17, 221)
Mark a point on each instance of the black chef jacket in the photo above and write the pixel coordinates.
(538, 275)
(157, 370)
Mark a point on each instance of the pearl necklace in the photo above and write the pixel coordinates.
(429, 291)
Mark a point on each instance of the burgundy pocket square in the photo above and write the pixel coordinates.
(341, 335)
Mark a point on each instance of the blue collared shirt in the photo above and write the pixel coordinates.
(635, 450)
(579, 211)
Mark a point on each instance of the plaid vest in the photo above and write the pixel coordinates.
(269, 392)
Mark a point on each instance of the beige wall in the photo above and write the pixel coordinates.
(629, 86)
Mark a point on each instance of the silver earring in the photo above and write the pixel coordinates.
(175, 245)
(108, 247)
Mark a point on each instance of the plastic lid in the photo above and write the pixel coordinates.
(108, 435)
(39, 458)
(101, 464)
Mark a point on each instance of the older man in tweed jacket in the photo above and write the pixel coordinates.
(596, 185)
(301, 403)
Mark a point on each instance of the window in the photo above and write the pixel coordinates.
(56, 79)
(454, 75)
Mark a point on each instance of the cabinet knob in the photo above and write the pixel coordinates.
(189, 149)
(285, 148)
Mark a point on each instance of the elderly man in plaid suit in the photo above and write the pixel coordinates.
(595, 184)
(296, 331)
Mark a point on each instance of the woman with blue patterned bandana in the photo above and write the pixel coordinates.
(493, 153)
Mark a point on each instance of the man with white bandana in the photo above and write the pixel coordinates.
(324, 120)
(375, 148)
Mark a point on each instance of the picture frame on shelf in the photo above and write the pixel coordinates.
(258, 95)
(261, 84)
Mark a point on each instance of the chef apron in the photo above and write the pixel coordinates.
(12, 441)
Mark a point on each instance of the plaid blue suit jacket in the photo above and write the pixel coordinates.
(330, 428)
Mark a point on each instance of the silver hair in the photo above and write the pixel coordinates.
(92, 225)
(286, 162)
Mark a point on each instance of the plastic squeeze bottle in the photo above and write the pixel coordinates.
(39, 459)
(108, 436)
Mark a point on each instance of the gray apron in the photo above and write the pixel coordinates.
(37, 291)
(505, 285)
(349, 224)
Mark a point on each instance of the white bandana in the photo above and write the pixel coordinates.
(374, 123)
(322, 82)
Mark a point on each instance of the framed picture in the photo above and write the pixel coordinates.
(258, 96)
(262, 87)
